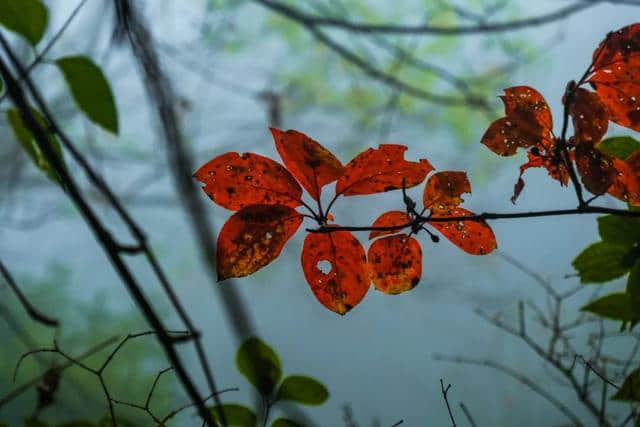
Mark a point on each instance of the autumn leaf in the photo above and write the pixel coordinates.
(626, 182)
(381, 169)
(253, 237)
(234, 181)
(443, 190)
(335, 267)
(616, 75)
(590, 117)
(389, 219)
(313, 165)
(528, 123)
(596, 168)
(473, 237)
(395, 263)
(556, 169)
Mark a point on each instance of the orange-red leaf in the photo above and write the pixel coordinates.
(596, 168)
(443, 190)
(312, 164)
(381, 169)
(616, 75)
(556, 170)
(395, 263)
(473, 237)
(335, 267)
(590, 117)
(626, 182)
(527, 123)
(253, 237)
(389, 219)
(234, 181)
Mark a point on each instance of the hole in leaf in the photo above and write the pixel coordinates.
(324, 266)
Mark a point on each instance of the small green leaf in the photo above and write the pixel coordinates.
(630, 390)
(602, 262)
(620, 147)
(285, 422)
(26, 139)
(259, 364)
(236, 415)
(619, 229)
(616, 306)
(25, 17)
(90, 90)
(303, 389)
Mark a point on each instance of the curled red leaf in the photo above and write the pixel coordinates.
(596, 169)
(475, 237)
(626, 181)
(556, 169)
(443, 190)
(253, 237)
(395, 263)
(389, 219)
(234, 181)
(335, 267)
(381, 169)
(313, 165)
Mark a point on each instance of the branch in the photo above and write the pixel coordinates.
(29, 308)
(445, 391)
(517, 24)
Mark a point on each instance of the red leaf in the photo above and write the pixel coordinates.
(596, 168)
(234, 181)
(253, 237)
(527, 123)
(473, 237)
(345, 280)
(556, 170)
(443, 190)
(381, 169)
(616, 75)
(626, 182)
(389, 219)
(395, 263)
(590, 117)
(312, 164)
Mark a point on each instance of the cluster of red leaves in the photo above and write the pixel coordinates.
(265, 195)
(615, 76)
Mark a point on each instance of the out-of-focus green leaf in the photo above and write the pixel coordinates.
(34, 422)
(619, 229)
(236, 415)
(26, 139)
(616, 306)
(259, 364)
(303, 389)
(26, 17)
(630, 390)
(285, 422)
(633, 284)
(90, 90)
(107, 422)
(77, 423)
(620, 147)
(602, 262)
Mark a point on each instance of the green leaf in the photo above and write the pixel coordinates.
(26, 17)
(77, 423)
(107, 422)
(28, 142)
(602, 262)
(285, 422)
(633, 284)
(236, 415)
(90, 90)
(617, 306)
(619, 229)
(303, 389)
(620, 147)
(259, 364)
(630, 390)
